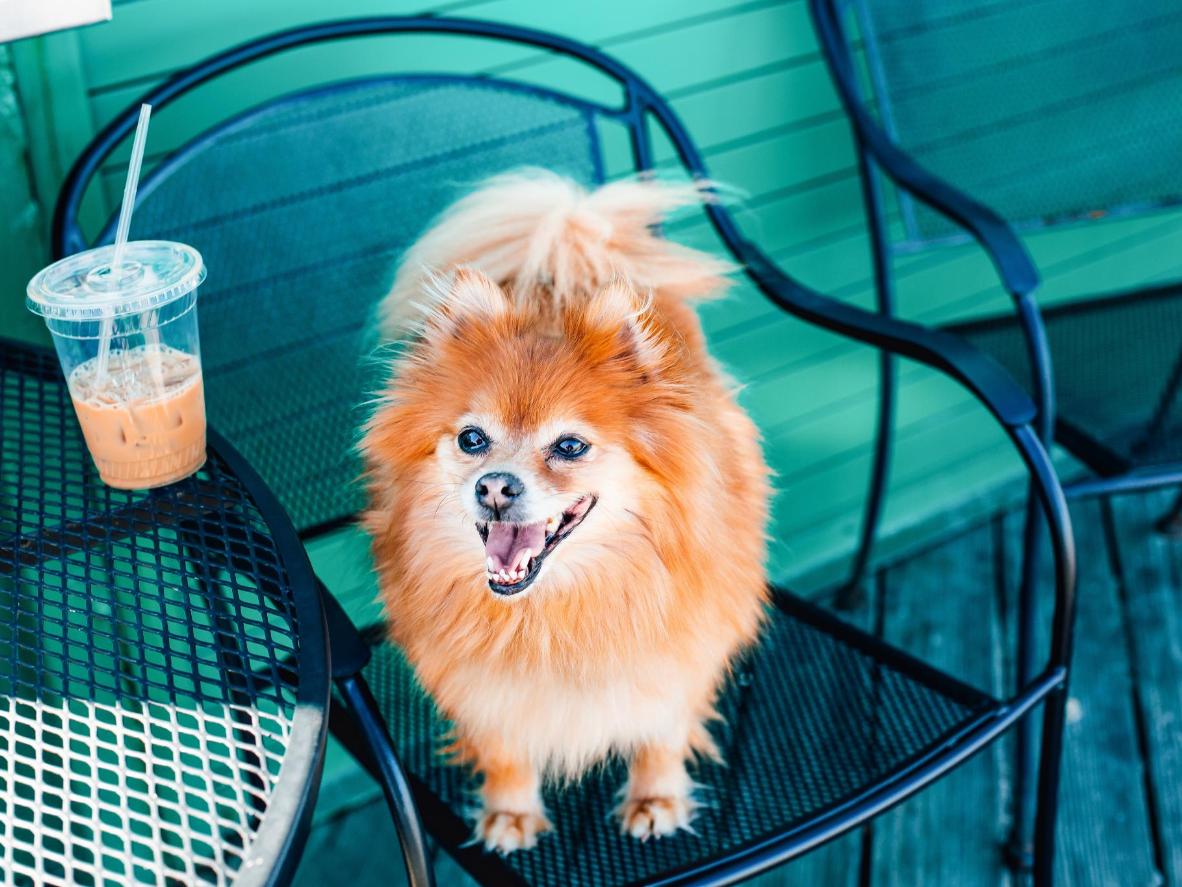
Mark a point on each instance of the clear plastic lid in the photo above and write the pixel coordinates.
(85, 287)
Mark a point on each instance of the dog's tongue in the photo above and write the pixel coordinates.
(510, 546)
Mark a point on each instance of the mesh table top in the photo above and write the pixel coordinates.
(163, 667)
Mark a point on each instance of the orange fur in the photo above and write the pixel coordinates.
(621, 643)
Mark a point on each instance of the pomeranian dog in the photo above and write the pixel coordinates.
(567, 505)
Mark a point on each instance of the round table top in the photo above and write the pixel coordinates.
(163, 664)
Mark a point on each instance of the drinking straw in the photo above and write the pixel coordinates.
(125, 211)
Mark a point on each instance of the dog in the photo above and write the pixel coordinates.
(567, 506)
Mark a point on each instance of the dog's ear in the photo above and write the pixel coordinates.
(619, 312)
(468, 297)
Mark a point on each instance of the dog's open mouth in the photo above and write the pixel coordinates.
(515, 552)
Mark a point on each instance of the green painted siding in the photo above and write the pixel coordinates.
(22, 223)
(749, 83)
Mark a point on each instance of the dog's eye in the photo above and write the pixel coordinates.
(570, 447)
(472, 441)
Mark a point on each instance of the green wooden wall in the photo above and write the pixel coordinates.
(22, 223)
(747, 79)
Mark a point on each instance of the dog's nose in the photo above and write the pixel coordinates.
(498, 490)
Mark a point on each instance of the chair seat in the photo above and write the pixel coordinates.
(818, 715)
(1118, 375)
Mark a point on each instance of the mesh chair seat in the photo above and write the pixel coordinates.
(301, 209)
(815, 716)
(1118, 374)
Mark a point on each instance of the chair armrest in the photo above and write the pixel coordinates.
(992, 385)
(958, 359)
(1009, 256)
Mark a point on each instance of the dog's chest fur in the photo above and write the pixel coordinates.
(564, 726)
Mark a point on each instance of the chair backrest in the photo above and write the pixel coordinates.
(301, 209)
(1046, 110)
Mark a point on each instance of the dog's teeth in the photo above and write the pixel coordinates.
(490, 564)
(510, 576)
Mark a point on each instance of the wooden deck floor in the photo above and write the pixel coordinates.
(1121, 808)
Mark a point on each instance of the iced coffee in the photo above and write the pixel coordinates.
(144, 423)
(128, 343)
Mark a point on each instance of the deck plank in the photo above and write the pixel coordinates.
(942, 607)
(1151, 574)
(1104, 835)
(355, 847)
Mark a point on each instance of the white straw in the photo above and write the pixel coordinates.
(130, 186)
(125, 211)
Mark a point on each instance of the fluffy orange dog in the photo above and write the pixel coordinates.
(567, 506)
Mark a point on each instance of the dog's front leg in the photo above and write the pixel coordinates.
(658, 799)
(511, 816)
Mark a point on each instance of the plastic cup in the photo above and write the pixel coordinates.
(128, 345)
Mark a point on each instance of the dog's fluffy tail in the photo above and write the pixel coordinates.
(541, 235)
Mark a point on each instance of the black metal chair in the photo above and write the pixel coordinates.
(991, 117)
(301, 207)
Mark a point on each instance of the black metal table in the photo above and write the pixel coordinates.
(163, 662)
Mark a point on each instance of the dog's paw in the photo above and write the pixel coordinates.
(503, 831)
(646, 818)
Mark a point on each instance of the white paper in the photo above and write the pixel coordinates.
(25, 18)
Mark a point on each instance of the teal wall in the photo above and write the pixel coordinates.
(22, 222)
(748, 81)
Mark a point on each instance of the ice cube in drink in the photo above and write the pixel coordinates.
(144, 420)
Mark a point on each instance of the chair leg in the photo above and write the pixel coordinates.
(368, 737)
(1054, 718)
(1020, 846)
(851, 595)
(375, 740)
(1170, 523)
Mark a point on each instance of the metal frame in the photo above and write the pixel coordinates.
(945, 353)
